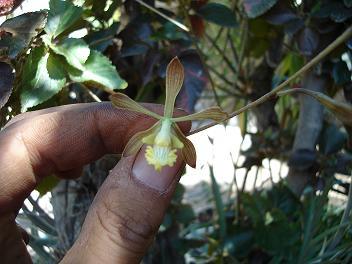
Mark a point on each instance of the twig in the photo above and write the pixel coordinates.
(228, 62)
(180, 25)
(233, 48)
(221, 76)
(341, 39)
(90, 93)
(212, 83)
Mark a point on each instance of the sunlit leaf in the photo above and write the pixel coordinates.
(62, 15)
(98, 71)
(43, 77)
(21, 30)
(75, 51)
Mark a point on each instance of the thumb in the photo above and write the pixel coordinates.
(126, 213)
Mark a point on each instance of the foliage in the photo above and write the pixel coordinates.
(233, 52)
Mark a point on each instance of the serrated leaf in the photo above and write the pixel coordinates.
(62, 15)
(218, 14)
(6, 82)
(255, 8)
(341, 110)
(21, 30)
(98, 71)
(43, 76)
(76, 51)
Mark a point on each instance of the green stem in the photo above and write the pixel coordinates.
(341, 39)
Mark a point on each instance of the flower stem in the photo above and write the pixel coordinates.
(341, 39)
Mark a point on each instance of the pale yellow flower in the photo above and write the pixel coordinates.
(164, 138)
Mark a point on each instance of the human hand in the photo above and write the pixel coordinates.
(130, 205)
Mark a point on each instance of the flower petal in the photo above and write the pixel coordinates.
(214, 113)
(174, 81)
(123, 101)
(188, 151)
(136, 142)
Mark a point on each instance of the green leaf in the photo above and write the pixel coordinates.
(348, 3)
(21, 30)
(76, 51)
(184, 214)
(62, 15)
(98, 71)
(332, 140)
(218, 14)
(290, 64)
(218, 204)
(341, 110)
(43, 76)
(6, 83)
(255, 8)
(341, 73)
(100, 40)
(47, 184)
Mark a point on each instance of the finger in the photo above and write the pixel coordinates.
(61, 141)
(12, 246)
(70, 174)
(126, 213)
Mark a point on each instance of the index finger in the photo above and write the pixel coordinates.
(60, 141)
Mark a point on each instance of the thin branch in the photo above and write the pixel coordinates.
(221, 76)
(233, 48)
(212, 83)
(90, 93)
(340, 40)
(180, 25)
(228, 62)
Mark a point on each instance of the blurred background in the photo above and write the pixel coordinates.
(271, 185)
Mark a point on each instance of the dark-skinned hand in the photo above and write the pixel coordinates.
(129, 207)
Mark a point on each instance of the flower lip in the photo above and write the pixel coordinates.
(164, 145)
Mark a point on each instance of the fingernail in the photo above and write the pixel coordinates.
(147, 175)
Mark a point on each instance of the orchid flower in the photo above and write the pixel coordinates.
(164, 138)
